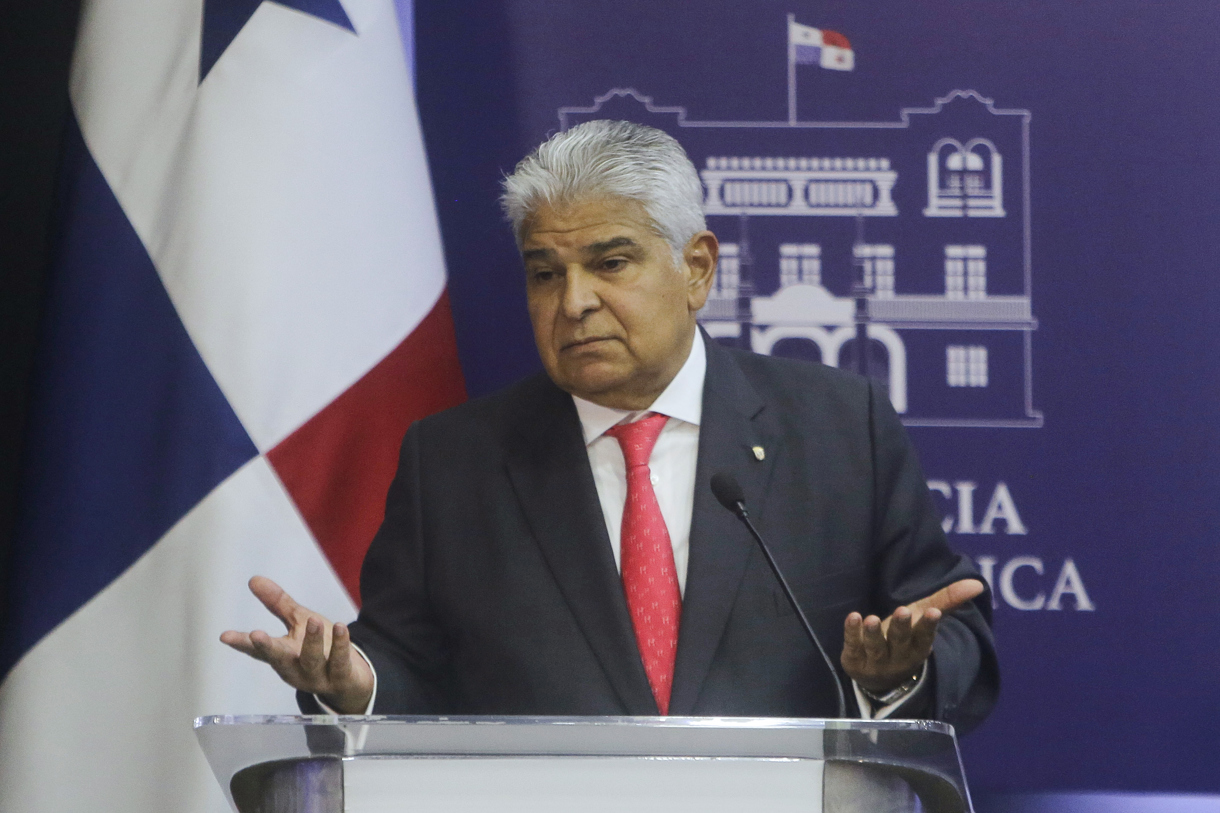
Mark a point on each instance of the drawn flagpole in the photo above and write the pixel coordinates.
(791, 71)
(814, 46)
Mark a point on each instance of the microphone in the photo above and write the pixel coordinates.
(728, 492)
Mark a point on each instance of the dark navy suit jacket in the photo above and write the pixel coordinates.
(491, 587)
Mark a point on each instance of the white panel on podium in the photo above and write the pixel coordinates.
(587, 784)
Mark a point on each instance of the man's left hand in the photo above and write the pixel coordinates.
(881, 654)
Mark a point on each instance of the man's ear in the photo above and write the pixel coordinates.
(700, 256)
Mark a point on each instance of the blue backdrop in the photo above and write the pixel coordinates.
(1060, 213)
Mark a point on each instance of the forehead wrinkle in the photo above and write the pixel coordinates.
(611, 207)
(602, 246)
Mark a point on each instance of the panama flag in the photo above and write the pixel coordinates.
(246, 311)
(817, 46)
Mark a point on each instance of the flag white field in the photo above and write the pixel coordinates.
(285, 204)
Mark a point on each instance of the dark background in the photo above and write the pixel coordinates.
(35, 51)
(1126, 203)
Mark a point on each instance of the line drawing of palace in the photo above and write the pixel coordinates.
(897, 248)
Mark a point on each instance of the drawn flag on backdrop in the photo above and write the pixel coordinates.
(816, 46)
(247, 309)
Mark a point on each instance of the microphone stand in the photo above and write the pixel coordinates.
(734, 500)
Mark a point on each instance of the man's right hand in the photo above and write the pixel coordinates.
(315, 656)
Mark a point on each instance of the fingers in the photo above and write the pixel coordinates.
(951, 597)
(349, 675)
(853, 640)
(313, 650)
(923, 634)
(312, 657)
(295, 616)
(258, 644)
(876, 648)
(853, 657)
(900, 629)
(339, 664)
(880, 655)
(863, 640)
(239, 641)
(265, 650)
(305, 666)
(863, 636)
(912, 632)
(275, 599)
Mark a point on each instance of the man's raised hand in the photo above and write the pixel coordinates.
(881, 654)
(315, 656)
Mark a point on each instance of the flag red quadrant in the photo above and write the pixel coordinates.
(339, 465)
(834, 38)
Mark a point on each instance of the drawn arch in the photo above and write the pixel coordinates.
(984, 197)
(951, 158)
(944, 182)
(894, 347)
(765, 340)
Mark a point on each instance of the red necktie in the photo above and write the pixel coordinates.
(650, 579)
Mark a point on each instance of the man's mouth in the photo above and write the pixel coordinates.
(592, 340)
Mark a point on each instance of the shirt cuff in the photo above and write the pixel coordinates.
(867, 712)
(373, 697)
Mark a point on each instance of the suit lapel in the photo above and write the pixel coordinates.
(549, 469)
(734, 421)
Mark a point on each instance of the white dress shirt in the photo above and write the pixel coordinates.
(672, 465)
(672, 462)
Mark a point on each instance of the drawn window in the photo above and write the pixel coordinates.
(966, 365)
(966, 172)
(980, 164)
(728, 273)
(965, 180)
(877, 265)
(951, 170)
(800, 263)
(965, 272)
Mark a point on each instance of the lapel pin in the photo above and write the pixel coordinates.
(759, 453)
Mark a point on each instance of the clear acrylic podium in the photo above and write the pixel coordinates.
(324, 764)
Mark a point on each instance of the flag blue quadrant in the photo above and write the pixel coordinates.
(128, 428)
(807, 54)
(223, 20)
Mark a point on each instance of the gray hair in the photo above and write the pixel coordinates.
(611, 158)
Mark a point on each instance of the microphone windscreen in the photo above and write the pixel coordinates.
(727, 490)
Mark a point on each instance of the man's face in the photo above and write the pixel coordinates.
(613, 316)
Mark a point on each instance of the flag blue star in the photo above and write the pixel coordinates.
(223, 20)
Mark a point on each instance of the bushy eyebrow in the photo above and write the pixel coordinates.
(591, 250)
(537, 254)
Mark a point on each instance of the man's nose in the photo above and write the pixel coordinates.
(579, 294)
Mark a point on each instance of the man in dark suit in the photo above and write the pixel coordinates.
(556, 548)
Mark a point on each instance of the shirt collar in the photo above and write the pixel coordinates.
(682, 399)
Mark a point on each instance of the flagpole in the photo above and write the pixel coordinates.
(791, 72)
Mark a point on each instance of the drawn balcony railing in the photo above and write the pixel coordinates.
(799, 186)
(929, 311)
(995, 312)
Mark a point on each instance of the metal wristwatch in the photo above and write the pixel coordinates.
(893, 695)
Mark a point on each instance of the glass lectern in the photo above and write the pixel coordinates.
(325, 764)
